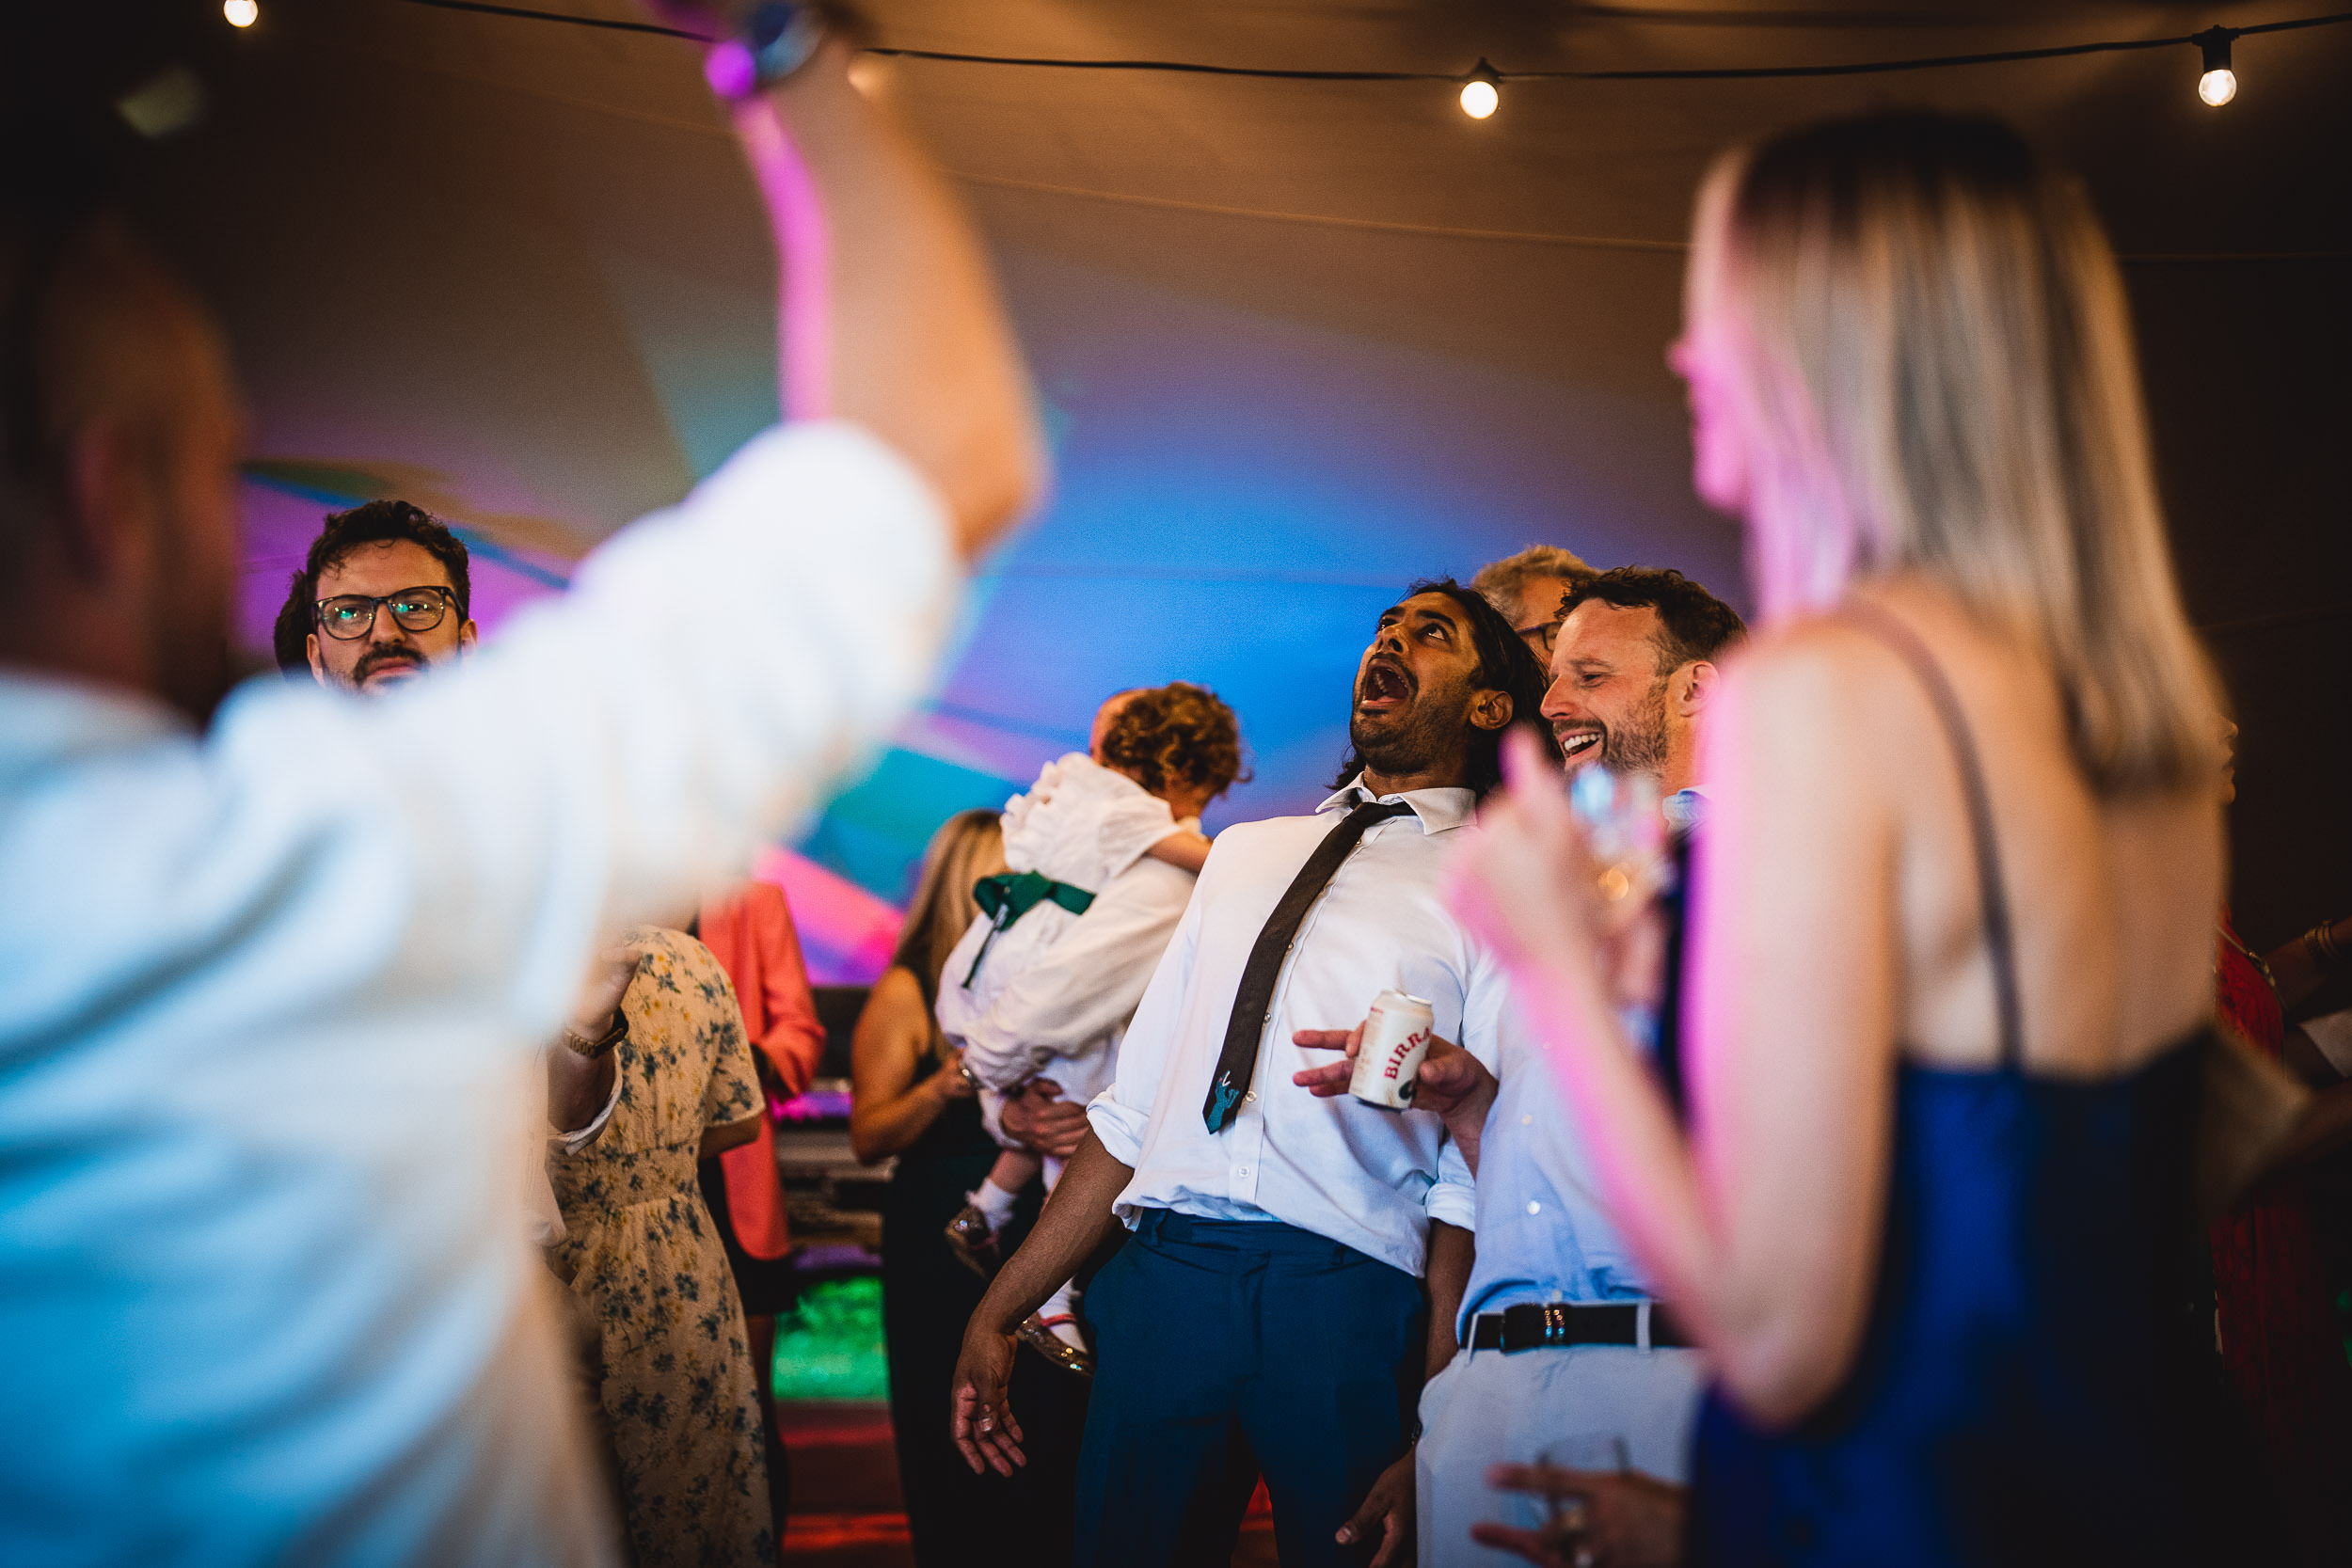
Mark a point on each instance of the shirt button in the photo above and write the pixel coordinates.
(1250, 1095)
(1242, 1171)
(1533, 1207)
(1527, 1121)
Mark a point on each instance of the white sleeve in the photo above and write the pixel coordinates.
(1454, 1197)
(2333, 1034)
(1085, 986)
(617, 753)
(1122, 1114)
(581, 1137)
(955, 1007)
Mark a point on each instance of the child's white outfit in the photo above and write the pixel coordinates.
(1025, 993)
(1043, 982)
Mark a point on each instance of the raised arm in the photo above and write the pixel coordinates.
(916, 347)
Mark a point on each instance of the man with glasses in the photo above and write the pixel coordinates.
(1528, 589)
(385, 592)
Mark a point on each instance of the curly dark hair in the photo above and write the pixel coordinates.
(1176, 734)
(1693, 624)
(374, 522)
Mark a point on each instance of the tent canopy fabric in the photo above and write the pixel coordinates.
(1299, 342)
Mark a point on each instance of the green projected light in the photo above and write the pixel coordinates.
(831, 1346)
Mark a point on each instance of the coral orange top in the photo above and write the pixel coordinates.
(751, 933)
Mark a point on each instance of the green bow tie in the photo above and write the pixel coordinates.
(1008, 895)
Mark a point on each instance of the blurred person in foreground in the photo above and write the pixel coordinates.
(911, 1102)
(272, 988)
(385, 591)
(1562, 1336)
(643, 1250)
(1294, 1262)
(1950, 974)
(1529, 588)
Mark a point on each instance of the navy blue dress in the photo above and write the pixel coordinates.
(2018, 1396)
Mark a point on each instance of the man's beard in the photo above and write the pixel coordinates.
(1395, 750)
(1639, 746)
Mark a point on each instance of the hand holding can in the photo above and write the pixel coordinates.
(1396, 1036)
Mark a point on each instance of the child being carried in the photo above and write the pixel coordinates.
(1019, 1001)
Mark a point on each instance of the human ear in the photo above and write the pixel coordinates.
(1698, 688)
(467, 637)
(1490, 710)
(318, 665)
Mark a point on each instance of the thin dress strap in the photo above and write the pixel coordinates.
(1990, 891)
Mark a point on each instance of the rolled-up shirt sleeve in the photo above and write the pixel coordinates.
(1085, 986)
(1122, 1114)
(621, 752)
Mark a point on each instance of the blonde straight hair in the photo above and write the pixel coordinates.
(1930, 339)
(967, 846)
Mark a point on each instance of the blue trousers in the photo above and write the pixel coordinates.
(1226, 1348)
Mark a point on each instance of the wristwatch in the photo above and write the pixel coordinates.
(777, 39)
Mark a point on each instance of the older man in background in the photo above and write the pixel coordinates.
(1528, 589)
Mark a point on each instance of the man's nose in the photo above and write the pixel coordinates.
(1559, 702)
(386, 628)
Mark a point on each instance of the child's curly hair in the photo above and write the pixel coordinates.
(1176, 734)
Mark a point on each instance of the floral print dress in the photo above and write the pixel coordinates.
(641, 1250)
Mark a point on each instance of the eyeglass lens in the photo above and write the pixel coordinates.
(352, 615)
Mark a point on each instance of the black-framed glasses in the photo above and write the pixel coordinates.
(348, 617)
(1541, 635)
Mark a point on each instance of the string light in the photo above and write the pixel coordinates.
(1481, 94)
(2219, 85)
(241, 13)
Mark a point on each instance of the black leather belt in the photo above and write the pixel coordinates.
(1531, 1325)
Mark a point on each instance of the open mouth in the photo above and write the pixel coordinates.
(1384, 684)
(1579, 745)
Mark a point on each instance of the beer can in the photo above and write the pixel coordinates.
(1396, 1037)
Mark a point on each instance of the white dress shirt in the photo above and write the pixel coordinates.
(1054, 991)
(1367, 1177)
(271, 996)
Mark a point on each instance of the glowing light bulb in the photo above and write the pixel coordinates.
(241, 13)
(2219, 85)
(1481, 90)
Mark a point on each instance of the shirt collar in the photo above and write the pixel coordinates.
(1438, 809)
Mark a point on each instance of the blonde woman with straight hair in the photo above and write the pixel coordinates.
(1953, 907)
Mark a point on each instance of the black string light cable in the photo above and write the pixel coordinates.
(1480, 84)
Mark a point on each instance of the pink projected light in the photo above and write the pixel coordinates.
(803, 242)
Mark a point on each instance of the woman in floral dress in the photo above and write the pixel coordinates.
(641, 1249)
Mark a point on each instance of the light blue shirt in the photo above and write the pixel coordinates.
(1543, 1234)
